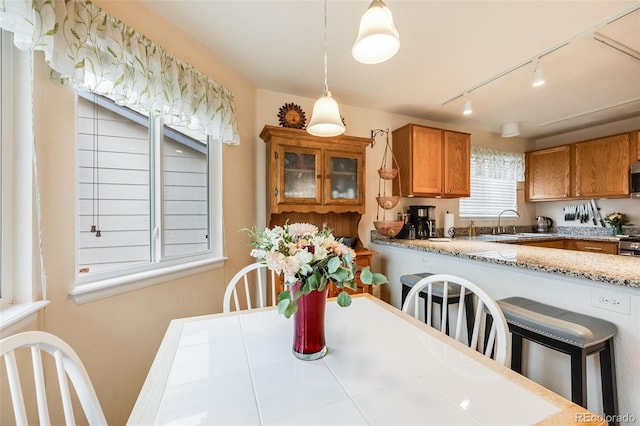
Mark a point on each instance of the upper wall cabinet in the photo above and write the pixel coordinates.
(307, 173)
(589, 169)
(548, 174)
(433, 162)
(602, 167)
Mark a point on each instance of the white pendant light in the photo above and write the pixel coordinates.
(326, 120)
(467, 107)
(378, 39)
(538, 74)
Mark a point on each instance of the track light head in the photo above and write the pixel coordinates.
(538, 75)
(467, 107)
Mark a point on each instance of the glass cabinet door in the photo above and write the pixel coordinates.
(344, 182)
(299, 175)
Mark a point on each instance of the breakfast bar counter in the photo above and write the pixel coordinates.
(610, 269)
(600, 285)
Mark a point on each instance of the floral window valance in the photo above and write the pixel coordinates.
(94, 51)
(491, 163)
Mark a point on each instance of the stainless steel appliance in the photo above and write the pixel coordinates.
(629, 246)
(423, 219)
(544, 223)
(634, 180)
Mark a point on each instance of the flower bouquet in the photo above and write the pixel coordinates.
(617, 220)
(309, 257)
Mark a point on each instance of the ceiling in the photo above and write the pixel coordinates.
(447, 48)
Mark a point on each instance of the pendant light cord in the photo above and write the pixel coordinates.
(326, 85)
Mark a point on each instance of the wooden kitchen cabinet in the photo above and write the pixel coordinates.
(588, 169)
(548, 174)
(306, 173)
(602, 167)
(433, 162)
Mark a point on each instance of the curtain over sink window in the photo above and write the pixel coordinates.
(494, 178)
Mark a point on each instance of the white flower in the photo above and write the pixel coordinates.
(299, 229)
(299, 251)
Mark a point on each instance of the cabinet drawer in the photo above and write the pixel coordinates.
(560, 244)
(595, 246)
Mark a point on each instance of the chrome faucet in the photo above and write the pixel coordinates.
(500, 215)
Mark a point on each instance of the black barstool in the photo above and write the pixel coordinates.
(568, 332)
(453, 295)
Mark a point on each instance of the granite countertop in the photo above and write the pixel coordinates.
(611, 269)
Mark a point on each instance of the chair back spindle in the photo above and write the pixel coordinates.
(253, 284)
(68, 367)
(490, 340)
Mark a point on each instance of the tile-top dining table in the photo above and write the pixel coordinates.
(383, 367)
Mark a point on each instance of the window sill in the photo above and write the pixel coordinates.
(18, 316)
(96, 290)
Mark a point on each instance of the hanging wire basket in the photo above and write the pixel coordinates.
(388, 228)
(387, 173)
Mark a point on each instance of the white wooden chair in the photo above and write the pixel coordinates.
(67, 364)
(255, 283)
(496, 345)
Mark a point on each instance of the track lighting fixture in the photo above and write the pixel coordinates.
(467, 107)
(538, 75)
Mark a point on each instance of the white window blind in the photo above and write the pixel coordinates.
(494, 177)
(143, 195)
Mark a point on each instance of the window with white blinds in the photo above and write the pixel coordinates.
(143, 192)
(494, 177)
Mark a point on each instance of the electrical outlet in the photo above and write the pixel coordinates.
(615, 302)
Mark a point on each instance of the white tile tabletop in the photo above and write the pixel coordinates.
(383, 368)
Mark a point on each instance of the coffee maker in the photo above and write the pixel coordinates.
(423, 219)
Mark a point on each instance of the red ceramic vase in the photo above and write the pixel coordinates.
(308, 323)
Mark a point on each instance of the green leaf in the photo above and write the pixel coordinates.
(350, 284)
(291, 309)
(344, 299)
(375, 278)
(283, 305)
(342, 274)
(334, 264)
(286, 294)
(379, 279)
(366, 276)
(312, 282)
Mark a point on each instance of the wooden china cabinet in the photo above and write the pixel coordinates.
(319, 181)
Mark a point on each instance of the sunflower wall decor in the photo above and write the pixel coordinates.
(292, 116)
